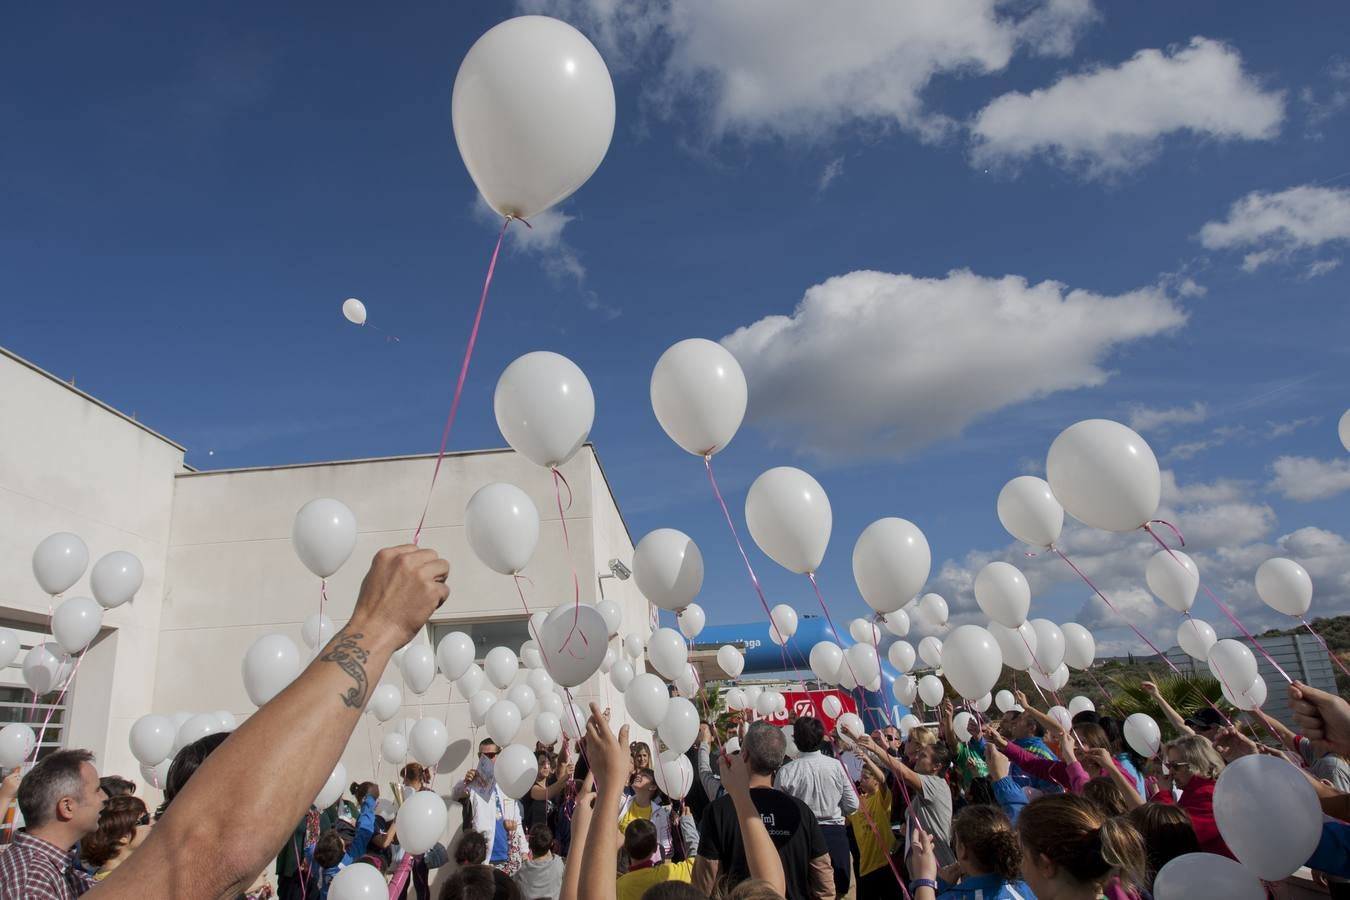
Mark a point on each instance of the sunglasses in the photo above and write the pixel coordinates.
(144, 819)
(1178, 765)
(488, 754)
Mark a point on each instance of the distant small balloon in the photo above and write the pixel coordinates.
(354, 310)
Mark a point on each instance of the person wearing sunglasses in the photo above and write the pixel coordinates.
(122, 825)
(494, 814)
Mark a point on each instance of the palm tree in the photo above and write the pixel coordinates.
(1187, 694)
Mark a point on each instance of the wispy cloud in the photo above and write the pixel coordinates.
(833, 169)
(1144, 418)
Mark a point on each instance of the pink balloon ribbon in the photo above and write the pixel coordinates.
(400, 876)
(59, 697)
(558, 482)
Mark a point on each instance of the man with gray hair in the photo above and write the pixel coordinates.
(791, 825)
(60, 799)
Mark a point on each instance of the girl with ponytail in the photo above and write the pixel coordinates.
(1072, 851)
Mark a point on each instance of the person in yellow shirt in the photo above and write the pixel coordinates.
(639, 839)
(871, 826)
(647, 802)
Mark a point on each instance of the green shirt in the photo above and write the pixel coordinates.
(969, 765)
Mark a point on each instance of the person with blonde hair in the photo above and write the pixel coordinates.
(1193, 765)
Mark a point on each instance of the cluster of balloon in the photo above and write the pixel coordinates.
(155, 739)
(59, 562)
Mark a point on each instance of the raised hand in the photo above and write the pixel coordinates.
(1321, 716)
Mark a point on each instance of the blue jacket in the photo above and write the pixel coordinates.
(1037, 746)
(1010, 796)
(985, 887)
(1333, 851)
(365, 830)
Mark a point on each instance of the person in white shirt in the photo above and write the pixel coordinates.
(822, 783)
(494, 814)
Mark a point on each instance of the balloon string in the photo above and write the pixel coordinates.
(1176, 531)
(1223, 607)
(463, 373)
(59, 697)
(1322, 641)
(558, 482)
(388, 338)
(400, 876)
(581, 743)
(885, 711)
(876, 831)
(323, 601)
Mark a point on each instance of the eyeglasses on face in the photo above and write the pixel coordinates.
(1178, 765)
(144, 819)
(488, 754)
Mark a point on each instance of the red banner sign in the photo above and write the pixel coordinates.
(812, 703)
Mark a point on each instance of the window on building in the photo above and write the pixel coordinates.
(508, 632)
(17, 703)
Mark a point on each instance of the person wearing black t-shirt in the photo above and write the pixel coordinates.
(791, 825)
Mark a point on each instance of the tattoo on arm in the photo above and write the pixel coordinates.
(351, 658)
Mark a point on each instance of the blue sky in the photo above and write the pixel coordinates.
(189, 196)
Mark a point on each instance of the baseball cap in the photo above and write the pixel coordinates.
(1205, 718)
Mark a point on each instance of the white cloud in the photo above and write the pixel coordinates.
(542, 238)
(801, 69)
(872, 364)
(1303, 478)
(1276, 225)
(833, 169)
(1144, 418)
(1189, 287)
(1321, 267)
(1111, 119)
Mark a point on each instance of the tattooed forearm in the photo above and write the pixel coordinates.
(351, 657)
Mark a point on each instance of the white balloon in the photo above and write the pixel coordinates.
(1080, 648)
(1029, 512)
(454, 655)
(849, 725)
(897, 622)
(891, 561)
(901, 656)
(540, 682)
(751, 695)
(332, 789)
(59, 561)
(537, 619)
(503, 722)
(359, 881)
(501, 523)
(178, 719)
(735, 699)
(116, 578)
(393, 747)
(523, 696)
(573, 721)
(1232, 663)
(931, 690)
(547, 727)
(271, 663)
(1268, 814)
(516, 771)
(479, 704)
(471, 682)
(782, 623)
(667, 652)
(1142, 734)
(930, 651)
(863, 664)
(1105, 475)
(76, 622)
(647, 699)
(984, 702)
(501, 665)
(1018, 644)
(156, 776)
(674, 774)
(633, 646)
(1206, 875)
(1002, 592)
(1054, 681)
(864, 632)
(544, 407)
(679, 726)
(905, 689)
(1250, 698)
(622, 675)
(971, 661)
(932, 609)
(691, 620)
(226, 720)
(961, 726)
(573, 643)
(422, 819)
(1062, 716)
(765, 704)
(531, 658)
(843, 676)
(688, 681)
(613, 616)
(1284, 586)
(1196, 636)
(789, 517)
(668, 568)
(1343, 429)
(825, 659)
(418, 667)
(317, 631)
(607, 662)
(699, 395)
(323, 535)
(427, 741)
(908, 723)
(9, 647)
(1173, 578)
(1049, 646)
(832, 706)
(151, 739)
(17, 740)
(199, 726)
(730, 660)
(551, 703)
(1004, 700)
(354, 311)
(533, 113)
(1080, 704)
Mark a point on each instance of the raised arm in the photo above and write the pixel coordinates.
(269, 770)
(611, 762)
(1069, 775)
(711, 784)
(582, 815)
(1049, 724)
(1007, 792)
(945, 713)
(1103, 759)
(1171, 714)
(913, 780)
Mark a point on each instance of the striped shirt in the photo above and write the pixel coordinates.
(33, 869)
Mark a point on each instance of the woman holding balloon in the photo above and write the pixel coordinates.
(1194, 766)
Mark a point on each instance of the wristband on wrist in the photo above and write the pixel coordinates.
(922, 883)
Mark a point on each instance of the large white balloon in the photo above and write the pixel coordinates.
(454, 655)
(317, 630)
(1232, 663)
(199, 726)
(1018, 644)
(668, 568)
(1193, 875)
(17, 740)
(679, 726)
(573, 643)
(156, 776)
(1049, 646)
(1249, 698)
(971, 661)
(332, 788)
(931, 690)
(1052, 682)
(59, 561)
(516, 770)
(901, 656)
(1080, 704)
(850, 725)
(633, 646)
(1284, 586)
(547, 727)
(730, 660)
(1080, 648)
(544, 407)
(825, 659)
(782, 623)
(116, 578)
(864, 631)
(897, 622)
(471, 682)
(360, 881)
(891, 561)
(1142, 734)
(501, 665)
(503, 722)
(1029, 511)
(523, 696)
(1173, 578)
(422, 819)
(789, 517)
(271, 663)
(501, 523)
(354, 311)
(864, 665)
(932, 610)
(667, 652)
(832, 706)
(699, 395)
(1268, 814)
(427, 741)
(691, 620)
(647, 699)
(1005, 700)
(674, 774)
(930, 651)
(393, 747)
(613, 616)
(324, 534)
(1002, 592)
(622, 675)
(385, 702)
(1343, 429)
(479, 705)
(418, 666)
(735, 699)
(1105, 475)
(1196, 637)
(533, 113)
(76, 622)
(151, 739)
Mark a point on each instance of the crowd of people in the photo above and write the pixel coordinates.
(1018, 808)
